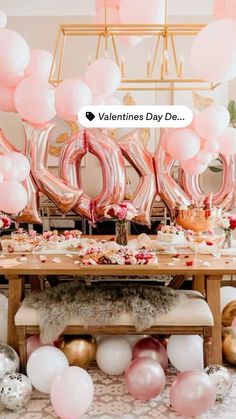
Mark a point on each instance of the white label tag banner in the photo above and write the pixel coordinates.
(135, 116)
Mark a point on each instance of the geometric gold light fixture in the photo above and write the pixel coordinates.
(164, 66)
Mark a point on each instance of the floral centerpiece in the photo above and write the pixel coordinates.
(228, 224)
(121, 213)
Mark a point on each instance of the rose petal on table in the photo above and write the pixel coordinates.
(189, 263)
(56, 260)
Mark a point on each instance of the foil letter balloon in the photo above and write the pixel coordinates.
(225, 196)
(168, 189)
(63, 196)
(113, 171)
(30, 212)
(142, 161)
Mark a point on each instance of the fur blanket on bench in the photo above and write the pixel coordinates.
(99, 304)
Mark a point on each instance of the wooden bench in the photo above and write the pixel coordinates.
(190, 316)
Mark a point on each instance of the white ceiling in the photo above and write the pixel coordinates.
(86, 7)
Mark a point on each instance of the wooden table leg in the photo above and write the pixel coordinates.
(199, 284)
(213, 299)
(15, 294)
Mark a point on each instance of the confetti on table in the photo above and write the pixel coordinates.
(77, 262)
(22, 259)
(69, 255)
(206, 263)
(56, 260)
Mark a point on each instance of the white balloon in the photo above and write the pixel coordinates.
(103, 76)
(44, 365)
(185, 352)
(212, 122)
(227, 294)
(112, 101)
(113, 355)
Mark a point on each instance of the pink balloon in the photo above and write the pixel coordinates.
(151, 348)
(20, 167)
(72, 393)
(5, 165)
(14, 52)
(3, 19)
(112, 16)
(103, 77)
(183, 144)
(130, 40)
(98, 101)
(224, 9)
(144, 11)
(12, 80)
(33, 343)
(213, 55)
(109, 3)
(34, 100)
(211, 146)
(203, 157)
(7, 99)
(165, 137)
(13, 197)
(71, 95)
(192, 393)
(40, 64)
(212, 122)
(193, 167)
(144, 378)
(227, 142)
(233, 324)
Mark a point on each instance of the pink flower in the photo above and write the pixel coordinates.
(232, 222)
(111, 212)
(122, 213)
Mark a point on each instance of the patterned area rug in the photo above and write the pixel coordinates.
(112, 401)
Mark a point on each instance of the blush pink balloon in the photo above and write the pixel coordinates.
(109, 3)
(212, 122)
(20, 167)
(193, 167)
(144, 378)
(151, 348)
(34, 100)
(227, 142)
(98, 101)
(112, 16)
(144, 11)
(183, 144)
(7, 99)
(192, 393)
(5, 165)
(213, 55)
(3, 19)
(40, 64)
(72, 393)
(13, 197)
(71, 95)
(165, 134)
(12, 80)
(14, 52)
(203, 157)
(103, 77)
(211, 146)
(224, 9)
(33, 343)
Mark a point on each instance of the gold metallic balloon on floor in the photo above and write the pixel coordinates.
(228, 314)
(229, 347)
(80, 351)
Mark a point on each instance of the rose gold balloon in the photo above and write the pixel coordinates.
(168, 189)
(30, 213)
(141, 160)
(225, 197)
(192, 393)
(145, 378)
(228, 314)
(104, 148)
(80, 351)
(229, 346)
(64, 197)
(151, 348)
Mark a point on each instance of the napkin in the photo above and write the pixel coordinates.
(9, 263)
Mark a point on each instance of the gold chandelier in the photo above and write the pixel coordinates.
(165, 69)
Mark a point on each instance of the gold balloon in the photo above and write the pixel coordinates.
(229, 347)
(228, 313)
(80, 351)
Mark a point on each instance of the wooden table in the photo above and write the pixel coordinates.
(207, 279)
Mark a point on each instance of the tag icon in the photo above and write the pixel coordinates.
(90, 116)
